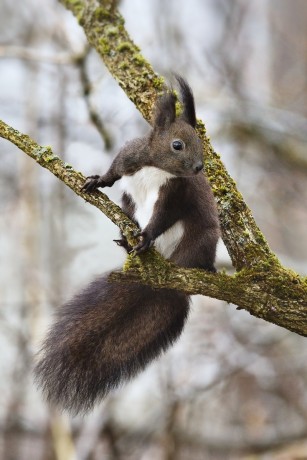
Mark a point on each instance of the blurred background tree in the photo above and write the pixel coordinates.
(233, 387)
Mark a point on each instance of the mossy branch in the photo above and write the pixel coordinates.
(261, 285)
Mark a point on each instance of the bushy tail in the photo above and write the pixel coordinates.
(104, 336)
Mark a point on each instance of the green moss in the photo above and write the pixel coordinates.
(111, 31)
(287, 284)
(158, 82)
(178, 108)
(77, 6)
(138, 59)
(45, 154)
(103, 46)
(129, 263)
(125, 46)
(102, 14)
(123, 65)
(44, 150)
(49, 158)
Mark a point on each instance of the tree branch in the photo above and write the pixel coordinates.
(261, 285)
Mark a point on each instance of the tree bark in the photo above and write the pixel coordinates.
(261, 285)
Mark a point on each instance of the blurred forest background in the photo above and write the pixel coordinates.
(233, 387)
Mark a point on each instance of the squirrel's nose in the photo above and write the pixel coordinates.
(198, 166)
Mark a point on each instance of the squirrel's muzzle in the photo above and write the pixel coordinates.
(198, 167)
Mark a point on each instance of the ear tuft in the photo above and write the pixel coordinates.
(165, 111)
(188, 113)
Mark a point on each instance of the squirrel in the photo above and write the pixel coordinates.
(110, 331)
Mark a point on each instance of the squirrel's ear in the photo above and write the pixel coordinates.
(165, 112)
(188, 114)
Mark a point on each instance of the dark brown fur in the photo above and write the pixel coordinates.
(110, 332)
(104, 336)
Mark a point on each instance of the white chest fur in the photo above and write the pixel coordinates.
(144, 188)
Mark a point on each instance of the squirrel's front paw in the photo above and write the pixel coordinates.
(124, 244)
(92, 183)
(145, 242)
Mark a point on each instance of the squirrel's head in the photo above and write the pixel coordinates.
(174, 144)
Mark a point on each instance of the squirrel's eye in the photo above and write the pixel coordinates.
(177, 145)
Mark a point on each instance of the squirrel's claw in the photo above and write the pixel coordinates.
(145, 243)
(92, 183)
(124, 244)
(119, 242)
